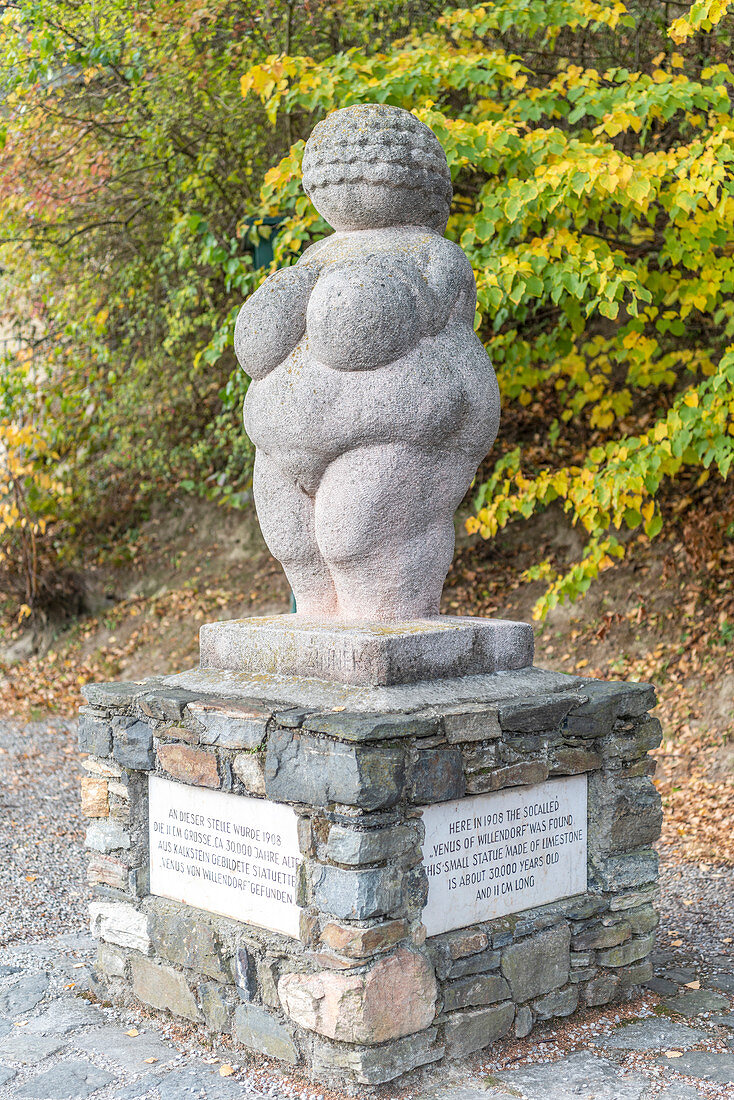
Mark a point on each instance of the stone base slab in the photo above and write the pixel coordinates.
(375, 654)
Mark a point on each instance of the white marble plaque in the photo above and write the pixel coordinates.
(500, 853)
(226, 853)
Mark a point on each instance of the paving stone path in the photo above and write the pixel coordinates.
(56, 1043)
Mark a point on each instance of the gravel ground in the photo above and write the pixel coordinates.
(43, 889)
(43, 899)
(697, 908)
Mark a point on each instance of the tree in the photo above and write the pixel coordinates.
(591, 147)
(130, 171)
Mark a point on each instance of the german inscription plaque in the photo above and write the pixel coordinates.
(227, 853)
(500, 853)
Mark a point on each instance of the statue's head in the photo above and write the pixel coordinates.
(372, 166)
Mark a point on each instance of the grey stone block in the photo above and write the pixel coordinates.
(291, 718)
(24, 994)
(543, 712)
(467, 1031)
(357, 847)
(523, 1022)
(218, 1003)
(600, 990)
(475, 964)
(249, 767)
(377, 1065)
(303, 768)
(95, 735)
(63, 1015)
(106, 835)
(244, 971)
(440, 696)
(120, 923)
(643, 920)
(561, 1003)
(601, 935)
(695, 1001)
(186, 936)
(436, 775)
(480, 989)
(632, 741)
(356, 726)
(6, 1075)
(186, 1083)
(114, 695)
(628, 952)
(514, 775)
(128, 1052)
(570, 760)
(164, 988)
(631, 899)
(712, 1068)
(263, 1032)
(607, 701)
(166, 703)
(27, 1049)
(587, 906)
(724, 982)
(625, 814)
(620, 872)
(467, 724)
(652, 1034)
(241, 725)
(582, 1076)
(357, 895)
(539, 964)
(583, 974)
(636, 974)
(133, 744)
(68, 1080)
(479, 757)
(374, 654)
(110, 962)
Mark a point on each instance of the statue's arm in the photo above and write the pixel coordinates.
(273, 320)
(451, 281)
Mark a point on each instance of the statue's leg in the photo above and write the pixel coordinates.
(286, 517)
(384, 526)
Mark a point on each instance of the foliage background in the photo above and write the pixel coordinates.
(591, 149)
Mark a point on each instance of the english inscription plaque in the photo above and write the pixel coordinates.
(227, 853)
(500, 853)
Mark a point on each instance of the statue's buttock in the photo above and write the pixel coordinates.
(372, 401)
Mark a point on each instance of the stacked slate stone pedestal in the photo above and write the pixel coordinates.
(360, 994)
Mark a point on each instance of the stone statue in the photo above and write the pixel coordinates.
(372, 400)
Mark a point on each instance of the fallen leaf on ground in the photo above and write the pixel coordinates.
(225, 1071)
(674, 1054)
(132, 1032)
(693, 985)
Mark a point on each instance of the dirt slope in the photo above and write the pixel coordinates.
(665, 615)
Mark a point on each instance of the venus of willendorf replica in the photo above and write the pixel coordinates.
(368, 837)
(372, 401)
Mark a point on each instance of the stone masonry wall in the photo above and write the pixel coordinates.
(362, 996)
